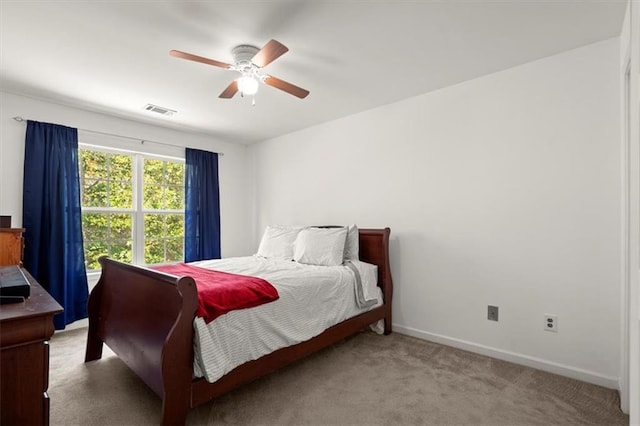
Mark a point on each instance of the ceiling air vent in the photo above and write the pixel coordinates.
(159, 109)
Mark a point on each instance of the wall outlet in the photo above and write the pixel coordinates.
(492, 313)
(551, 322)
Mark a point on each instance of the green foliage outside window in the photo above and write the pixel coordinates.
(107, 234)
(107, 181)
(169, 246)
(163, 185)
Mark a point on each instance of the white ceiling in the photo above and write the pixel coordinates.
(352, 55)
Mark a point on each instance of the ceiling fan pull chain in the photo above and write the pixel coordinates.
(253, 103)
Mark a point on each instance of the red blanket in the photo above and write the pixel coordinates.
(221, 292)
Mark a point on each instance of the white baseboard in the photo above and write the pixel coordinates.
(529, 361)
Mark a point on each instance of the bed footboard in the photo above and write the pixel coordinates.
(146, 318)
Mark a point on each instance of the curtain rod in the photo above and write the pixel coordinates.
(142, 141)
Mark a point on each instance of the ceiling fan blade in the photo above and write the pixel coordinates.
(269, 53)
(230, 91)
(196, 58)
(285, 86)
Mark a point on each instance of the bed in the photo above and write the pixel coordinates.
(147, 319)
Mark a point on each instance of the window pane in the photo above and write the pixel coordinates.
(164, 234)
(174, 198)
(153, 197)
(107, 234)
(153, 226)
(94, 226)
(175, 225)
(121, 167)
(163, 185)
(121, 195)
(121, 178)
(94, 193)
(175, 174)
(154, 251)
(120, 227)
(153, 172)
(93, 163)
(106, 179)
(121, 250)
(92, 251)
(175, 251)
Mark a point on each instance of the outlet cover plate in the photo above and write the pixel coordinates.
(492, 313)
(551, 322)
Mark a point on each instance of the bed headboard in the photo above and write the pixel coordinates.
(374, 248)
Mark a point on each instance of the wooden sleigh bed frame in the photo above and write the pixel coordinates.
(146, 318)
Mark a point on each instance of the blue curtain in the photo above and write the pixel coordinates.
(202, 206)
(52, 219)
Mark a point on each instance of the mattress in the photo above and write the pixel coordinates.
(312, 299)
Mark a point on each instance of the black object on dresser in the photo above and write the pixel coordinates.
(13, 282)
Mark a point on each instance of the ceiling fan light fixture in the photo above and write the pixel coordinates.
(247, 85)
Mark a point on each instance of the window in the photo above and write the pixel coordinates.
(132, 207)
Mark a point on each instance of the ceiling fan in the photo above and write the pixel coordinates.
(249, 62)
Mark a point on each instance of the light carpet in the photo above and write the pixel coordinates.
(364, 380)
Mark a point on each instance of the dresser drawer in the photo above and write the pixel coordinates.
(23, 384)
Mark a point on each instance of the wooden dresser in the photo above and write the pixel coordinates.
(25, 329)
(11, 246)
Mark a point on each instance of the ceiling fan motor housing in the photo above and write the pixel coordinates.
(243, 54)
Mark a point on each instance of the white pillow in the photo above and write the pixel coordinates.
(352, 245)
(277, 242)
(320, 246)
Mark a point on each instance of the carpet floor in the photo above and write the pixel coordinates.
(364, 380)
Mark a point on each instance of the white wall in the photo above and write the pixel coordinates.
(503, 190)
(234, 182)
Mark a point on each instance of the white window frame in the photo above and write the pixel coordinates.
(137, 211)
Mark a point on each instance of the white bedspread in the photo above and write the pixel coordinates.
(312, 299)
